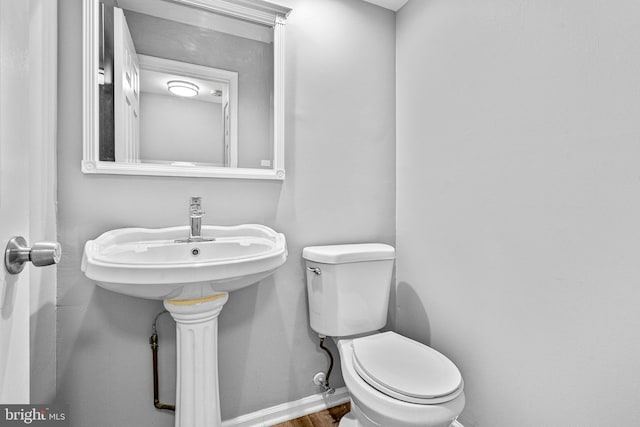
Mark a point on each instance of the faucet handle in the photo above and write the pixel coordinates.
(196, 206)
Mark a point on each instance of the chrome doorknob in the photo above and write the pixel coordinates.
(40, 254)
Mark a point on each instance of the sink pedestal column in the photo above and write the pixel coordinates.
(197, 394)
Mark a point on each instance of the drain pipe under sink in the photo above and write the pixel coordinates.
(153, 341)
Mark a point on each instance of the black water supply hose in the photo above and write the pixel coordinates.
(326, 386)
(153, 341)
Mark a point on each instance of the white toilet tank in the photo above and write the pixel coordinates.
(348, 287)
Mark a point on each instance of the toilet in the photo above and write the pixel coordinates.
(393, 381)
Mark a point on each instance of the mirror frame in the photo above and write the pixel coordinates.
(257, 11)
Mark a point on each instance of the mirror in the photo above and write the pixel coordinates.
(184, 88)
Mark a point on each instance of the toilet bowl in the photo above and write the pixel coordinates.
(371, 407)
(393, 381)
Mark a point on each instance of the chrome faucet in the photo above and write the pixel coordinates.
(196, 212)
(195, 219)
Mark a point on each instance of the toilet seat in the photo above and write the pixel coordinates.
(405, 369)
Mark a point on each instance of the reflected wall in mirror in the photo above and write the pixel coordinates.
(184, 88)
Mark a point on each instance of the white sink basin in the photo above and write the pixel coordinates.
(148, 263)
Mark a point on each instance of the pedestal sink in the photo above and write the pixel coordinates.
(194, 279)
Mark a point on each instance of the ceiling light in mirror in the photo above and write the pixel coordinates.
(182, 88)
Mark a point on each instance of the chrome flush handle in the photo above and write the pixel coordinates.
(40, 254)
(315, 270)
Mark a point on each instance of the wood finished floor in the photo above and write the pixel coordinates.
(327, 418)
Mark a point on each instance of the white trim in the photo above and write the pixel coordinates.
(258, 11)
(90, 40)
(394, 5)
(290, 410)
(177, 12)
(151, 169)
(278, 95)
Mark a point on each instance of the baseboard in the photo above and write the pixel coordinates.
(290, 410)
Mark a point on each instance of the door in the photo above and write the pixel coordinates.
(28, 98)
(126, 91)
(14, 200)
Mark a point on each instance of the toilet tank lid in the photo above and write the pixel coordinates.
(338, 254)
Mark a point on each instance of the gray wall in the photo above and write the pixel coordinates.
(180, 129)
(517, 207)
(340, 187)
